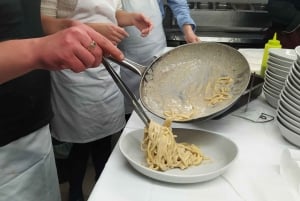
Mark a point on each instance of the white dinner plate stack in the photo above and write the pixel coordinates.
(279, 63)
(288, 110)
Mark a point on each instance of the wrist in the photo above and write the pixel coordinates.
(35, 58)
(187, 29)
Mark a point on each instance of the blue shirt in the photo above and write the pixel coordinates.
(180, 10)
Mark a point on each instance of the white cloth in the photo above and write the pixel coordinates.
(27, 169)
(88, 105)
(141, 49)
(290, 168)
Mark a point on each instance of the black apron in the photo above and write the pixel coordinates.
(24, 101)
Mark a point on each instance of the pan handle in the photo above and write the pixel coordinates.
(126, 91)
(131, 65)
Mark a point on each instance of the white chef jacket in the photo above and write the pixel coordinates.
(88, 105)
(140, 49)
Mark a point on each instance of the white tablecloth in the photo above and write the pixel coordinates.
(254, 176)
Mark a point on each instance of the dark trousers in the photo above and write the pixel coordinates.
(73, 168)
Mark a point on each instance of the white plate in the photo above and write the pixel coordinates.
(297, 50)
(276, 91)
(275, 76)
(220, 150)
(278, 71)
(278, 66)
(272, 99)
(288, 122)
(291, 136)
(284, 54)
(287, 112)
(276, 83)
(279, 61)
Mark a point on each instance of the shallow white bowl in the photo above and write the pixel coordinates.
(272, 86)
(294, 82)
(275, 76)
(287, 112)
(275, 91)
(287, 104)
(296, 67)
(220, 150)
(287, 123)
(278, 71)
(288, 134)
(291, 93)
(283, 54)
(296, 73)
(273, 81)
(272, 99)
(279, 61)
(294, 124)
(275, 65)
(297, 50)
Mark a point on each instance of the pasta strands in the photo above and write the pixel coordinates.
(163, 152)
(221, 91)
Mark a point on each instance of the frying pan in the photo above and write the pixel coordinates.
(181, 80)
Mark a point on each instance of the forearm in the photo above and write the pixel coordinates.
(182, 13)
(187, 29)
(17, 57)
(124, 18)
(52, 25)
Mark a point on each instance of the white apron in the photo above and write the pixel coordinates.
(141, 49)
(27, 169)
(88, 105)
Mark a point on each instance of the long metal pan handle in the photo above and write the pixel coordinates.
(131, 65)
(126, 91)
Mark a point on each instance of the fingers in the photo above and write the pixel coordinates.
(76, 48)
(118, 35)
(108, 48)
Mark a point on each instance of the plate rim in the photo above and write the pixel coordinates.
(188, 178)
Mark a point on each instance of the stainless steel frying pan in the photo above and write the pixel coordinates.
(180, 80)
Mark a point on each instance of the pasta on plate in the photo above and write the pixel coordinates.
(163, 152)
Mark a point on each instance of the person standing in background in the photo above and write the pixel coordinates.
(143, 50)
(92, 100)
(27, 166)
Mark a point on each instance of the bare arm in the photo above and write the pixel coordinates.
(189, 34)
(52, 25)
(138, 20)
(65, 49)
(111, 31)
(16, 58)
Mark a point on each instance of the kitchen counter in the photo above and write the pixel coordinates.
(254, 176)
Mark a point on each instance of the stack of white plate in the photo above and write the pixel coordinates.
(279, 63)
(288, 110)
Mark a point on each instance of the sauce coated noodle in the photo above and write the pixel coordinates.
(163, 152)
(221, 91)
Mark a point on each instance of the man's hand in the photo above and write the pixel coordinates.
(189, 35)
(75, 48)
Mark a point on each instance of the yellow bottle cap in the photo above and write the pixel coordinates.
(274, 41)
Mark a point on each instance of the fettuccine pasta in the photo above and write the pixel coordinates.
(163, 152)
(221, 91)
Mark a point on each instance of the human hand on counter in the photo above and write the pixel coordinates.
(77, 48)
(189, 34)
(113, 32)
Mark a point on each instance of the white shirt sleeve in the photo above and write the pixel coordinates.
(49, 7)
